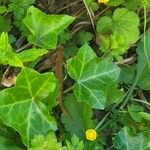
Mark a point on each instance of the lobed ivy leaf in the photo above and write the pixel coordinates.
(79, 117)
(8, 57)
(23, 108)
(45, 28)
(93, 76)
(127, 140)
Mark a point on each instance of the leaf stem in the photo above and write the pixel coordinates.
(102, 121)
(68, 90)
(138, 100)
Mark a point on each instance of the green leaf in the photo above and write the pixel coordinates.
(7, 144)
(127, 74)
(49, 142)
(128, 21)
(145, 115)
(75, 144)
(143, 66)
(23, 108)
(134, 110)
(93, 76)
(115, 3)
(45, 28)
(83, 37)
(114, 95)
(3, 9)
(79, 119)
(31, 54)
(127, 140)
(7, 55)
(117, 29)
(104, 24)
(19, 10)
(132, 4)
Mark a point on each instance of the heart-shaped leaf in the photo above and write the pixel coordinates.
(23, 107)
(45, 28)
(127, 140)
(93, 76)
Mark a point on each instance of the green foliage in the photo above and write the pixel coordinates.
(7, 55)
(5, 25)
(143, 66)
(19, 9)
(25, 110)
(14, 59)
(118, 33)
(75, 144)
(79, 119)
(127, 140)
(49, 142)
(83, 37)
(127, 74)
(103, 87)
(93, 76)
(114, 95)
(44, 32)
(3, 9)
(7, 144)
(134, 110)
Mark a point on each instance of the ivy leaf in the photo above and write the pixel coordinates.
(25, 111)
(49, 142)
(79, 119)
(45, 28)
(143, 66)
(7, 55)
(93, 76)
(127, 140)
(31, 54)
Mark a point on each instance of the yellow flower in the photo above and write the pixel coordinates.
(91, 135)
(103, 1)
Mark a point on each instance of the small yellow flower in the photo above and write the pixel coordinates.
(91, 135)
(103, 1)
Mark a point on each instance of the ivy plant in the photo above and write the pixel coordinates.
(74, 75)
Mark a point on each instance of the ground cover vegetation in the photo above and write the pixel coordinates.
(75, 74)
